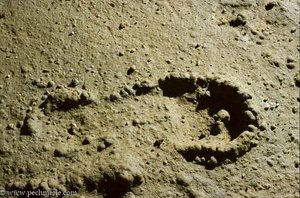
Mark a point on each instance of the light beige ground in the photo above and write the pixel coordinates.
(71, 118)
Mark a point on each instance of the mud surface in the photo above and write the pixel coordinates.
(149, 98)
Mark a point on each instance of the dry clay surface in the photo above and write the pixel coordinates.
(148, 98)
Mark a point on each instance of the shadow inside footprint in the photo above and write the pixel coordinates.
(173, 86)
(230, 98)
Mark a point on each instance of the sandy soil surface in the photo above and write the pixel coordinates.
(149, 98)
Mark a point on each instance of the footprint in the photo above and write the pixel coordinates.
(232, 128)
(83, 146)
(207, 121)
(61, 99)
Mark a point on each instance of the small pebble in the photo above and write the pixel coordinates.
(101, 147)
(132, 50)
(290, 59)
(44, 97)
(85, 96)
(183, 180)
(276, 63)
(19, 124)
(250, 115)
(10, 127)
(267, 107)
(258, 42)
(213, 160)
(254, 142)
(74, 83)
(293, 30)
(252, 128)
(111, 4)
(46, 71)
(273, 127)
(50, 84)
(86, 140)
(270, 5)
(270, 162)
(46, 147)
(136, 122)
(240, 20)
(223, 116)
(72, 33)
(108, 141)
(114, 97)
(24, 69)
(263, 127)
(59, 152)
(198, 160)
(72, 129)
(296, 164)
(157, 143)
(292, 138)
(243, 175)
(290, 65)
(123, 25)
(131, 70)
(254, 32)
(124, 94)
(294, 110)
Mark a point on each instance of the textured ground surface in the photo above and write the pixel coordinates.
(150, 98)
